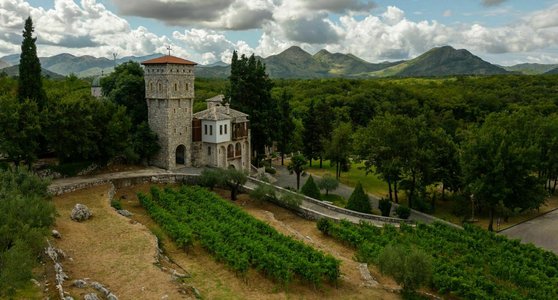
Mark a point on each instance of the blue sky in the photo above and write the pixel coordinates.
(500, 31)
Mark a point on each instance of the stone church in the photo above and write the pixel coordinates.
(218, 136)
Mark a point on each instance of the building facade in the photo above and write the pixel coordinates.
(217, 137)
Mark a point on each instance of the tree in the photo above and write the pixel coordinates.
(339, 147)
(250, 92)
(359, 201)
(328, 183)
(311, 134)
(499, 164)
(385, 207)
(21, 130)
(286, 126)
(30, 85)
(297, 165)
(126, 86)
(310, 189)
(410, 267)
(211, 177)
(234, 180)
(325, 117)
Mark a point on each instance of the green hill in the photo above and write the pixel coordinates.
(531, 69)
(14, 71)
(552, 72)
(349, 65)
(4, 64)
(443, 61)
(295, 63)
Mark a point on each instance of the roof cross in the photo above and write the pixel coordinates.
(169, 48)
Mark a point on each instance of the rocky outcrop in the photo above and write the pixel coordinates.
(80, 213)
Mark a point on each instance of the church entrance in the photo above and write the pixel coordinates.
(180, 155)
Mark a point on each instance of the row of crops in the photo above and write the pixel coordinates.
(470, 263)
(194, 215)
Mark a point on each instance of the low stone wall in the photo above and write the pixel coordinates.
(339, 209)
(59, 189)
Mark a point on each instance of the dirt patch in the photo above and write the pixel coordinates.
(215, 281)
(110, 249)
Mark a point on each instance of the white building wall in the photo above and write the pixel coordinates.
(216, 132)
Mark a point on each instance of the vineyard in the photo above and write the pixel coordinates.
(470, 263)
(194, 215)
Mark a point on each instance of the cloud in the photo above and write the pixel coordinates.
(338, 6)
(492, 2)
(447, 13)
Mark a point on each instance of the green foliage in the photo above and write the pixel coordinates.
(70, 169)
(327, 183)
(291, 200)
(310, 189)
(338, 149)
(403, 212)
(30, 85)
(385, 207)
(211, 177)
(263, 192)
(126, 86)
(194, 214)
(359, 201)
(234, 180)
(250, 92)
(470, 263)
(297, 165)
(116, 204)
(25, 217)
(411, 268)
(286, 126)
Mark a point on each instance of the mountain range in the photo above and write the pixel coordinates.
(297, 63)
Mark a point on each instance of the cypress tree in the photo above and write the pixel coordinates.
(310, 189)
(359, 201)
(30, 84)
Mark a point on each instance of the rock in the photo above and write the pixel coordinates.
(68, 298)
(99, 287)
(91, 296)
(80, 213)
(56, 234)
(35, 282)
(80, 283)
(111, 296)
(196, 293)
(177, 275)
(125, 213)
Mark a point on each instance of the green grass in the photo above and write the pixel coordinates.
(371, 183)
(337, 200)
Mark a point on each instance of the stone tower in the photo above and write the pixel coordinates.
(169, 92)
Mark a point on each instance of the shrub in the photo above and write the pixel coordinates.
(270, 170)
(411, 268)
(263, 192)
(385, 207)
(310, 189)
(116, 204)
(328, 183)
(403, 212)
(359, 201)
(291, 200)
(210, 178)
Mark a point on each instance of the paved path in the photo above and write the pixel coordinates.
(541, 231)
(284, 179)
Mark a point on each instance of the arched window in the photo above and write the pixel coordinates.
(230, 151)
(238, 150)
(175, 87)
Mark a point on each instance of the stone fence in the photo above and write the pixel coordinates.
(332, 207)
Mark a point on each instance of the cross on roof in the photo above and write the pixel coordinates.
(169, 48)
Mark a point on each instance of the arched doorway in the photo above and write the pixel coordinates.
(181, 155)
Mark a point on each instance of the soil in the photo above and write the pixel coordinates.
(111, 249)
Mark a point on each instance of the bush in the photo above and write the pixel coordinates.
(210, 178)
(359, 200)
(403, 212)
(116, 204)
(263, 192)
(328, 183)
(291, 200)
(385, 207)
(310, 189)
(411, 268)
(270, 170)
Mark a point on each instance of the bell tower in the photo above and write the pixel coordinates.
(169, 92)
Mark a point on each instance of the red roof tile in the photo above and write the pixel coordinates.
(168, 59)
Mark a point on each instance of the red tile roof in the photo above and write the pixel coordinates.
(168, 59)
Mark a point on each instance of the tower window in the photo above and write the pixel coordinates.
(187, 86)
(160, 87)
(151, 86)
(176, 87)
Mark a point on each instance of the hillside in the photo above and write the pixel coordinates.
(4, 64)
(530, 69)
(295, 63)
(14, 71)
(552, 72)
(443, 61)
(349, 65)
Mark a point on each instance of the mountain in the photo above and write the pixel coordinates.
(552, 72)
(14, 71)
(4, 64)
(530, 69)
(213, 72)
(349, 65)
(443, 61)
(295, 63)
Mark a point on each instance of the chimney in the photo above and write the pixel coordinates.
(228, 108)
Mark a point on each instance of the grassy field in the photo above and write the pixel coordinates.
(371, 183)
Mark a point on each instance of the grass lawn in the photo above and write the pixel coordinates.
(371, 183)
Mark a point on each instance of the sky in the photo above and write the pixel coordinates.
(504, 32)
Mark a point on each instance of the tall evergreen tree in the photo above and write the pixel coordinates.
(311, 133)
(325, 119)
(30, 84)
(286, 125)
(250, 92)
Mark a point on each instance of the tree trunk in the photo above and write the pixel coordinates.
(297, 181)
(554, 187)
(412, 193)
(233, 194)
(282, 158)
(321, 158)
(337, 170)
(395, 191)
(491, 216)
(443, 192)
(389, 188)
